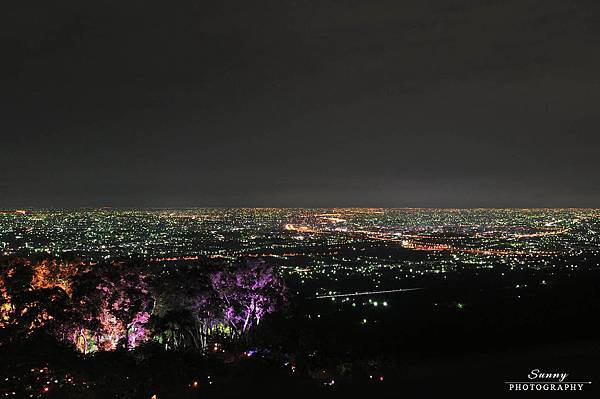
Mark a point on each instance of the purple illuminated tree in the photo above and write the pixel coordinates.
(247, 291)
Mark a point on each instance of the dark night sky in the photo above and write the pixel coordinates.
(300, 103)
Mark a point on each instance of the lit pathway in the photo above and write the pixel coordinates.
(367, 293)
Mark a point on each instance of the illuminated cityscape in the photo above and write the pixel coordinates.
(330, 238)
(332, 251)
(356, 271)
